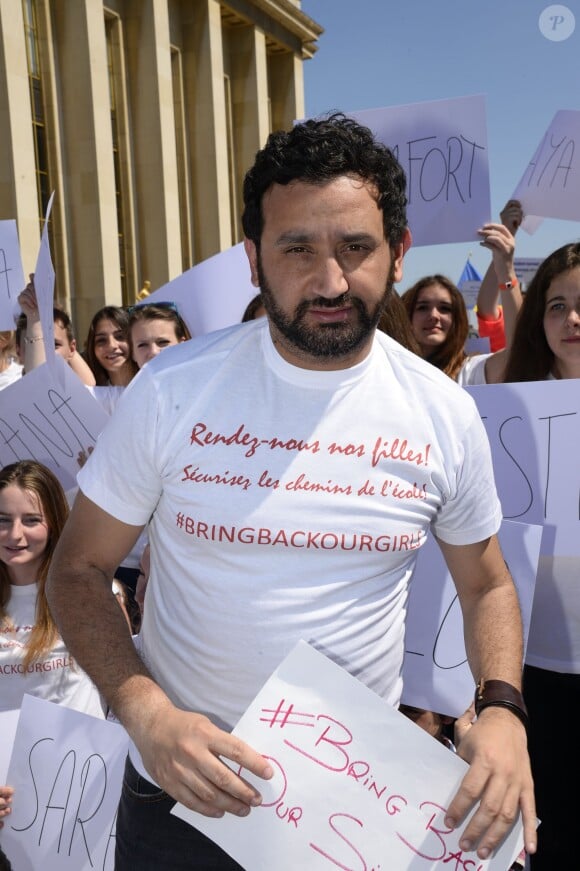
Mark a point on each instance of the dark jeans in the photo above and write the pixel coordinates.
(149, 838)
(553, 702)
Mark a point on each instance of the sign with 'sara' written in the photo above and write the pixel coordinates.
(356, 784)
(66, 770)
(442, 146)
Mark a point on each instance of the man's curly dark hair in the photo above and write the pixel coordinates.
(317, 151)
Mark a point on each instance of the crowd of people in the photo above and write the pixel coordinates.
(325, 336)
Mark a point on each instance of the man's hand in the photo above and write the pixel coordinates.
(182, 752)
(499, 778)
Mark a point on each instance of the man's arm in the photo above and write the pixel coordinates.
(180, 749)
(499, 775)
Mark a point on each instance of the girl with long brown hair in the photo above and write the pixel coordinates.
(438, 315)
(439, 322)
(107, 347)
(33, 658)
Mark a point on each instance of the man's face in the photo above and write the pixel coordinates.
(324, 269)
(62, 345)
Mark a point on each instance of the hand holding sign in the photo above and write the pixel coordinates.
(182, 751)
(355, 783)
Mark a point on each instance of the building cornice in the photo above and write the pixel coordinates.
(286, 15)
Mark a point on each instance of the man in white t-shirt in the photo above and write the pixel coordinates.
(289, 469)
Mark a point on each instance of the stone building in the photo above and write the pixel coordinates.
(142, 116)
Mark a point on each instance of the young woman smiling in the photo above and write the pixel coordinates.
(33, 658)
(107, 347)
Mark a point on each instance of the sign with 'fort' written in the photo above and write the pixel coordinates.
(442, 146)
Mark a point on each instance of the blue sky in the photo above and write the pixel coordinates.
(376, 53)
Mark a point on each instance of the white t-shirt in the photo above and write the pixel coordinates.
(287, 504)
(12, 373)
(54, 677)
(473, 370)
(107, 396)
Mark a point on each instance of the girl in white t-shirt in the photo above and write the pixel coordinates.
(438, 315)
(33, 657)
(136, 334)
(546, 346)
(107, 347)
(144, 330)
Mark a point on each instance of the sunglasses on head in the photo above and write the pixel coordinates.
(170, 306)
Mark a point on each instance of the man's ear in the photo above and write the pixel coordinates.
(252, 255)
(399, 252)
(73, 346)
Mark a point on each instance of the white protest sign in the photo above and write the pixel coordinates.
(436, 675)
(213, 294)
(44, 286)
(442, 146)
(67, 771)
(49, 419)
(550, 185)
(356, 784)
(534, 432)
(8, 724)
(11, 274)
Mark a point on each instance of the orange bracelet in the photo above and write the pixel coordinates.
(509, 285)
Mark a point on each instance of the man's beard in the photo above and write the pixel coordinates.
(325, 340)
